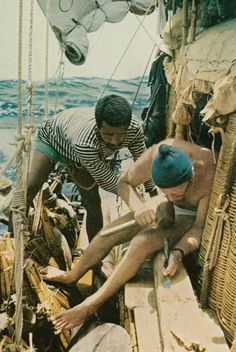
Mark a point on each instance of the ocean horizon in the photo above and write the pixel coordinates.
(70, 93)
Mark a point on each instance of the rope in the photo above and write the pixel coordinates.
(221, 216)
(214, 242)
(213, 130)
(46, 59)
(18, 272)
(141, 81)
(101, 29)
(6, 166)
(125, 51)
(29, 89)
(24, 141)
(145, 29)
(29, 83)
(60, 72)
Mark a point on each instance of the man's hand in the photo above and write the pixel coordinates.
(145, 215)
(173, 264)
(50, 273)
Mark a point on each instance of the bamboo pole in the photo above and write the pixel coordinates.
(184, 23)
(173, 7)
(193, 22)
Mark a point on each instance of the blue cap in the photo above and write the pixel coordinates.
(171, 167)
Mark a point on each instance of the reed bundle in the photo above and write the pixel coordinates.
(7, 257)
(48, 298)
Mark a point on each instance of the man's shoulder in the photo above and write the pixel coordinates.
(186, 146)
(83, 113)
(135, 124)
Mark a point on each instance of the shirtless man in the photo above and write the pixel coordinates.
(184, 173)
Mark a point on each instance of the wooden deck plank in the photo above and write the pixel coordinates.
(180, 315)
(140, 294)
(147, 331)
(140, 297)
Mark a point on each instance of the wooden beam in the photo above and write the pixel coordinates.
(183, 324)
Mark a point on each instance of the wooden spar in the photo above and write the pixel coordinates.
(182, 323)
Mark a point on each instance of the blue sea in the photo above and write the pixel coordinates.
(71, 92)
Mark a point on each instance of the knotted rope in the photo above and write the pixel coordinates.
(19, 194)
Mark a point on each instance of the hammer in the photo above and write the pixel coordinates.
(165, 219)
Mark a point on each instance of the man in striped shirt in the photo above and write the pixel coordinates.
(83, 143)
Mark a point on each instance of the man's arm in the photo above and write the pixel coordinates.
(191, 240)
(137, 148)
(136, 175)
(99, 169)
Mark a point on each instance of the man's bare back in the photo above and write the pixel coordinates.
(203, 172)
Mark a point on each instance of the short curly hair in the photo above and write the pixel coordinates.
(114, 110)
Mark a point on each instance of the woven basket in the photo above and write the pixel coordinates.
(228, 309)
(213, 286)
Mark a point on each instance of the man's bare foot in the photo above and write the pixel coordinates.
(73, 317)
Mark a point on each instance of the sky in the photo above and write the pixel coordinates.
(107, 45)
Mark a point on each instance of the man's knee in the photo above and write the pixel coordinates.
(146, 243)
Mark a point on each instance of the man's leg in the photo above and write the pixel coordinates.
(100, 246)
(92, 203)
(90, 198)
(144, 244)
(40, 168)
(97, 249)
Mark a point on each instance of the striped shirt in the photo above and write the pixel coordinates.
(74, 134)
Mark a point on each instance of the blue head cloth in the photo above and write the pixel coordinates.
(171, 167)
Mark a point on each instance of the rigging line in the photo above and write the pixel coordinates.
(93, 19)
(97, 38)
(29, 83)
(46, 59)
(29, 89)
(60, 74)
(145, 29)
(126, 49)
(19, 73)
(145, 70)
